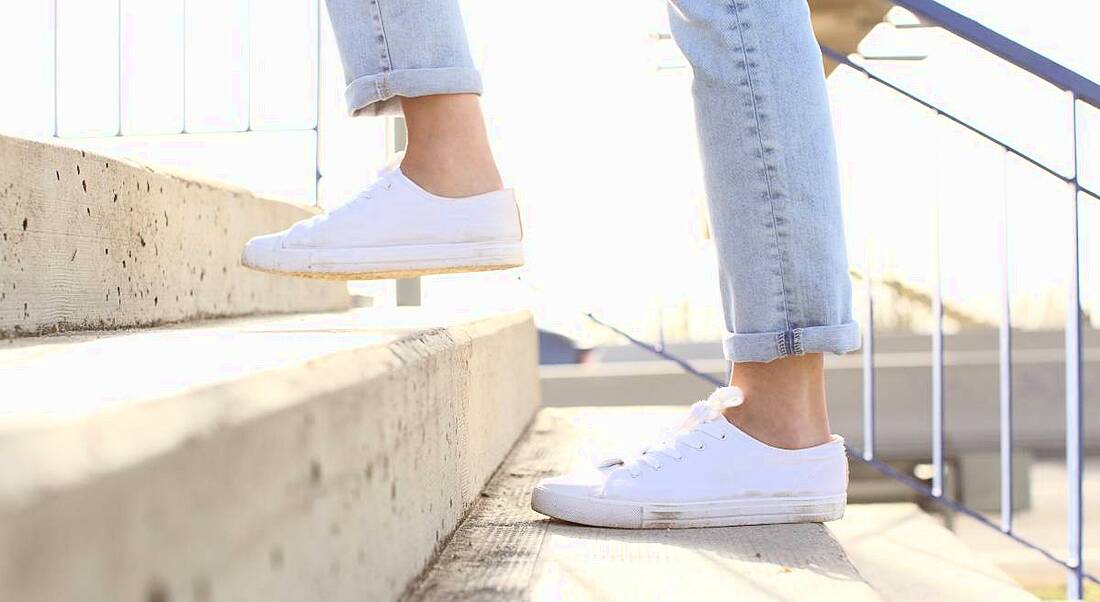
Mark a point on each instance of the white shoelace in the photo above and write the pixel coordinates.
(686, 435)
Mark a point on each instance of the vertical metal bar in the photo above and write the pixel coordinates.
(56, 20)
(1074, 410)
(1005, 363)
(118, 132)
(869, 370)
(183, 56)
(937, 351)
(317, 115)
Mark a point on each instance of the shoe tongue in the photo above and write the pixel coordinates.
(726, 397)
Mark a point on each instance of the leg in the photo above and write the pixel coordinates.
(768, 158)
(411, 56)
(770, 167)
(448, 151)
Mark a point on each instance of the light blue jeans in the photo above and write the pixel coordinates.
(764, 128)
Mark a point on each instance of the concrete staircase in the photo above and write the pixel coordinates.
(288, 456)
(88, 242)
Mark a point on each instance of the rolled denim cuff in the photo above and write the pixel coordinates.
(376, 94)
(768, 346)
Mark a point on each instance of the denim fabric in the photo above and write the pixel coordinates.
(766, 136)
(392, 48)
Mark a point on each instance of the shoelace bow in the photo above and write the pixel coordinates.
(686, 434)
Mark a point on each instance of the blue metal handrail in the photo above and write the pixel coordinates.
(1021, 56)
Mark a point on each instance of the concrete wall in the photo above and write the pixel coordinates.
(335, 477)
(90, 242)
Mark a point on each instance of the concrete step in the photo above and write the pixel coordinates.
(322, 457)
(505, 551)
(91, 242)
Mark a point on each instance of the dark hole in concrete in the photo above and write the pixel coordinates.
(315, 471)
(58, 174)
(84, 185)
(24, 224)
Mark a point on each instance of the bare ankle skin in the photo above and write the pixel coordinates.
(448, 150)
(784, 401)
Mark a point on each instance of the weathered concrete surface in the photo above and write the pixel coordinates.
(90, 242)
(505, 551)
(908, 556)
(307, 458)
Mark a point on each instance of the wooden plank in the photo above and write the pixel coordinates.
(506, 551)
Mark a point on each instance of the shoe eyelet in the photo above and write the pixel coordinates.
(658, 467)
(389, 186)
(701, 447)
(723, 437)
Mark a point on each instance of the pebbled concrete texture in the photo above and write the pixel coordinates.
(88, 242)
(322, 457)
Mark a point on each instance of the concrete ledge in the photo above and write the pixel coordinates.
(307, 458)
(90, 242)
(908, 556)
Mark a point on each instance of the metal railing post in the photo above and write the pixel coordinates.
(869, 370)
(1074, 409)
(1004, 348)
(937, 340)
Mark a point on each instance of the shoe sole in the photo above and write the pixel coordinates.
(406, 261)
(736, 512)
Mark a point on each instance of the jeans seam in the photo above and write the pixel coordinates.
(736, 5)
(387, 63)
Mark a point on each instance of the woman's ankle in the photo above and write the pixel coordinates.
(448, 150)
(784, 401)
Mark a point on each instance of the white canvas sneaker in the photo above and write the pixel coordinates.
(707, 473)
(396, 229)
